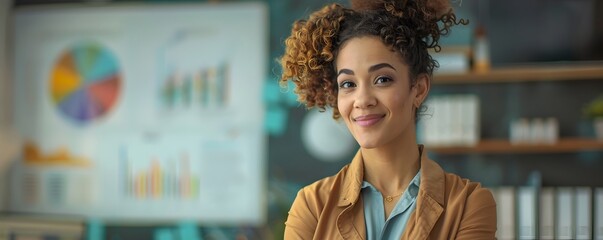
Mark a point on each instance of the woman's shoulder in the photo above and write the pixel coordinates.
(452, 188)
(465, 190)
(316, 203)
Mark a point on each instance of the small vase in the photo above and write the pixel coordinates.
(598, 126)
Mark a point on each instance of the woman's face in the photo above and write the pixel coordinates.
(375, 98)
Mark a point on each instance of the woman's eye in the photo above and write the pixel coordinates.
(382, 79)
(347, 84)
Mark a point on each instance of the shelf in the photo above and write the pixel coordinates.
(565, 145)
(550, 72)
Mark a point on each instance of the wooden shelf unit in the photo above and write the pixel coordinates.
(526, 73)
(498, 146)
(551, 72)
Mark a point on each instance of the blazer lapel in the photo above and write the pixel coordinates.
(429, 202)
(426, 215)
(350, 222)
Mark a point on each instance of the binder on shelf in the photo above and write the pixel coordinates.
(598, 214)
(564, 207)
(505, 204)
(456, 119)
(471, 115)
(547, 213)
(583, 213)
(527, 212)
(444, 120)
(453, 120)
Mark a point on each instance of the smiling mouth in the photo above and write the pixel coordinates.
(368, 120)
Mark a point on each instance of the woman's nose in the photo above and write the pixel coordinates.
(365, 98)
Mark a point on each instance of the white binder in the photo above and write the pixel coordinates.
(583, 213)
(565, 213)
(527, 212)
(547, 213)
(505, 203)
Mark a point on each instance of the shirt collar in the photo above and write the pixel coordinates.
(429, 179)
(415, 183)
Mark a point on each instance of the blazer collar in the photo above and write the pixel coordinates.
(432, 178)
(353, 181)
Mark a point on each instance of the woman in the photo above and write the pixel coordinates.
(371, 65)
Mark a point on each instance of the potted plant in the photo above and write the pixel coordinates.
(594, 111)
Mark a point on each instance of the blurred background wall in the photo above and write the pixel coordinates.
(540, 35)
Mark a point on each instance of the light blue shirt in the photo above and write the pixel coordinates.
(377, 227)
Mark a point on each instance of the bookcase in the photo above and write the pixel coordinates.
(558, 90)
(546, 190)
(567, 72)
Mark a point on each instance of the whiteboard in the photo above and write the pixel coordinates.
(141, 112)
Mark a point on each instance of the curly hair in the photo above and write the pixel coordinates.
(409, 26)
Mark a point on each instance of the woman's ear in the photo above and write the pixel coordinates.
(422, 86)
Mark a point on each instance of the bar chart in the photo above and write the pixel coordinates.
(158, 178)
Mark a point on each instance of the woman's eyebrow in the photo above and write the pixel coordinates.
(379, 66)
(345, 71)
(371, 69)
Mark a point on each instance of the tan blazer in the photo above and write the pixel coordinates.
(448, 207)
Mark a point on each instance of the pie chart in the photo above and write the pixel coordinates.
(85, 82)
